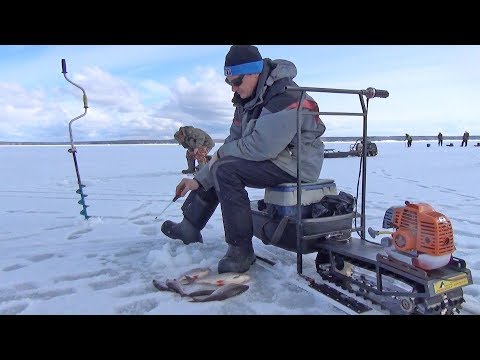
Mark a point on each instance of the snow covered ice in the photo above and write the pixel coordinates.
(53, 261)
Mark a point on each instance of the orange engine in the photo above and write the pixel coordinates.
(419, 227)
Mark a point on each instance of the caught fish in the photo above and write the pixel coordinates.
(160, 286)
(224, 279)
(175, 286)
(201, 292)
(193, 275)
(222, 293)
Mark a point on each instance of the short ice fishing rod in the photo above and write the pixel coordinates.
(73, 150)
(166, 207)
(178, 193)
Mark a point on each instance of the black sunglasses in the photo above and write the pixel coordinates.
(235, 82)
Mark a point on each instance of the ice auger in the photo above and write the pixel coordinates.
(72, 149)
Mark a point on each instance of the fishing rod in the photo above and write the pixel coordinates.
(166, 207)
(72, 149)
(178, 194)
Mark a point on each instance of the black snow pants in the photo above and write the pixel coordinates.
(231, 175)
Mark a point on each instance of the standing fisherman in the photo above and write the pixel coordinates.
(198, 144)
(465, 137)
(440, 139)
(409, 139)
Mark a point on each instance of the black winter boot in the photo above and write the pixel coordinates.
(237, 259)
(191, 167)
(197, 209)
(184, 231)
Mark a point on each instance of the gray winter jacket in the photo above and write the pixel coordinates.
(265, 127)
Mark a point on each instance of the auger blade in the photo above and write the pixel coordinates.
(82, 202)
(84, 213)
(80, 191)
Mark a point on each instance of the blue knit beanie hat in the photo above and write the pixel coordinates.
(243, 59)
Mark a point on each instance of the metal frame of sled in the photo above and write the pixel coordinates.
(337, 250)
(369, 93)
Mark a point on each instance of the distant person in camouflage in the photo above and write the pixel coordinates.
(198, 144)
(465, 137)
(409, 139)
(440, 139)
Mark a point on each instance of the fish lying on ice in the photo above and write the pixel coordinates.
(173, 285)
(223, 292)
(193, 275)
(160, 286)
(224, 279)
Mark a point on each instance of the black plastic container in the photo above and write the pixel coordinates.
(264, 227)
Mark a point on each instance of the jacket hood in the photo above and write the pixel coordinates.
(281, 69)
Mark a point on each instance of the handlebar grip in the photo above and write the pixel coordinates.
(371, 93)
(381, 93)
(64, 66)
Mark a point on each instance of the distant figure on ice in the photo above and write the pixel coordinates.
(440, 139)
(465, 137)
(409, 139)
(198, 144)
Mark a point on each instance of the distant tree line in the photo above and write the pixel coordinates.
(173, 141)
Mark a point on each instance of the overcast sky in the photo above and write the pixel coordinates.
(147, 92)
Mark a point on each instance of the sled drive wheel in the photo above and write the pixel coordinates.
(407, 305)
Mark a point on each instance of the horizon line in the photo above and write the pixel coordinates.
(173, 141)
